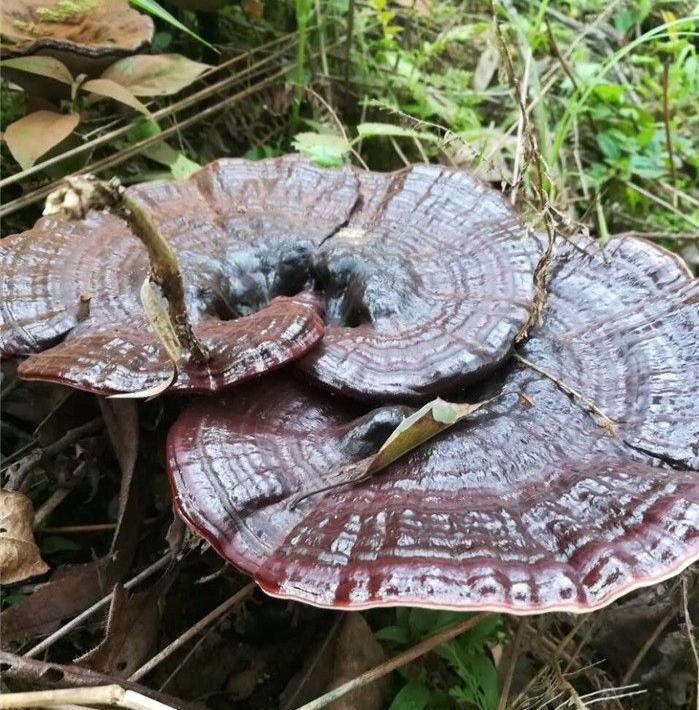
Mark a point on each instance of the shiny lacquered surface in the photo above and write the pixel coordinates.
(425, 277)
(528, 505)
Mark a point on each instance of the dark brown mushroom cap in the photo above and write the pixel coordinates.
(427, 275)
(426, 287)
(528, 505)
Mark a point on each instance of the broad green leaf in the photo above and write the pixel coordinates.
(43, 66)
(413, 696)
(35, 134)
(326, 149)
(155, 74)
(157, 10)
(110, 89)
(371, 130)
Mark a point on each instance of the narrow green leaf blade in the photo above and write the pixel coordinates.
(157, 10)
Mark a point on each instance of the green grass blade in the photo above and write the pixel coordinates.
(157, 10)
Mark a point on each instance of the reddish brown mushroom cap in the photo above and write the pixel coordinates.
(529, 505)
(426, 275)
(426, 287)
(81, 280)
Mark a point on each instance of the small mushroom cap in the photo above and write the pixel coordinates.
(79, 33)
(426, 274)
(528, 505)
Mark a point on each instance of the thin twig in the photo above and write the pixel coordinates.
(605, 421)
(647, 645)
(113, 695)
(556, 654)
(663, 203)
(511, 663)
(19, 471)
(668, 132)
(319, 654)
(74, 623)
(392, 664)
(348, 44)
(521, 123)
(58, 496)
(212, 616)
(690, 633)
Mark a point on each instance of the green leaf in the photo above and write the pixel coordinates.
(183, 167)
(35, 134)
(370, 130)
(43, 66)
(608, 146)
(51, 544)
(157, 10)
(413, 696)
(141, 129)
(155, 74)
(397, 634)
(111, 90)
(326, 149)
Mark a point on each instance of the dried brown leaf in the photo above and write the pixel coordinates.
(35, 134)
(132, 632)
(356, 651)
(19, 555)
(154, 74)
(69, 591)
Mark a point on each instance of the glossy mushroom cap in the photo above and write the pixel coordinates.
(425, 274)
(80, 281)
(427, 286)
(86, 35)
(528, 505)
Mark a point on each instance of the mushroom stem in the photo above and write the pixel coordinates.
(164, 271)
(81, 193)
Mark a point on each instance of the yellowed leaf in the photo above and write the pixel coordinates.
(110, 89)
(35, 134)
(155, 74)
(155, 308)
(19, 555)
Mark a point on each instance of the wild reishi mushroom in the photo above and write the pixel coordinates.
(425, 274)
(531, 504)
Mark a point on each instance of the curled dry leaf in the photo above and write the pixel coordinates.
(19, 554)
(33, 135)
(154, 74)
(413, 430)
